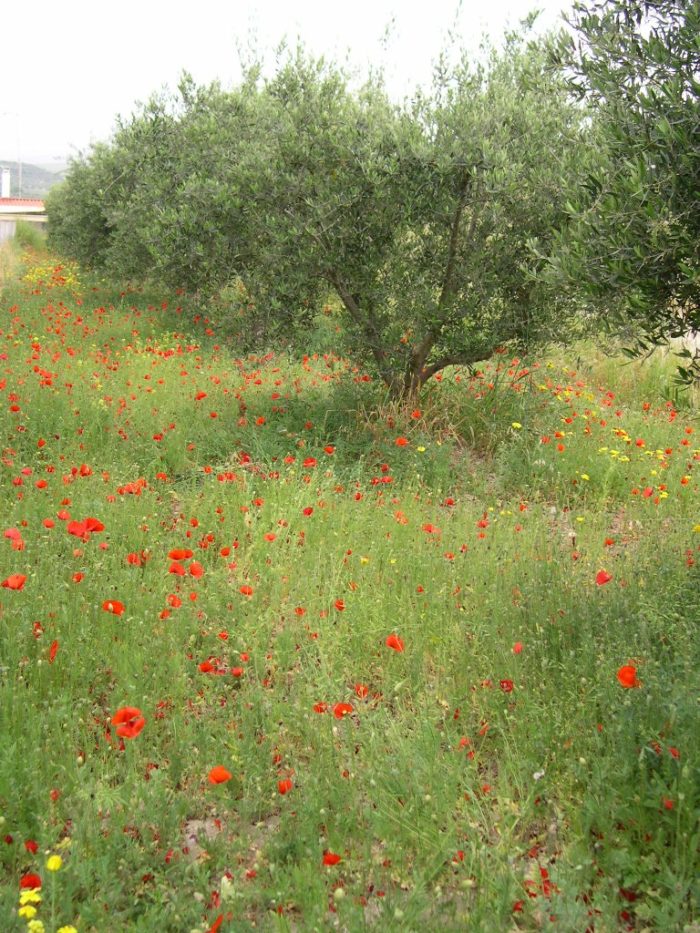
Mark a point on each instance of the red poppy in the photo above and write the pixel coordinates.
(401, 441)
(177, 568)
(129, 722)
(113, 606)
(219, 775)
(506, 686)
(627, 676)
(53, 650)
(330, 858)
(603, 577)
(342, 709)
(393, 641)
(361, 691)
(284, 786)
(246, 590)
(339, 605)
(15, 581)
(30, 881)
(196, 569)
(31, 846)
(182, 553)
(320, 707)
(517, 647)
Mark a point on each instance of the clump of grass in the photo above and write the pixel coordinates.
(29, 235)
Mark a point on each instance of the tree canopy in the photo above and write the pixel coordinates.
(632, 242)
(420, 219)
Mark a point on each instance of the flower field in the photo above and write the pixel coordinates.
(275, 654)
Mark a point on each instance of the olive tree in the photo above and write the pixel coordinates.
(632, 243)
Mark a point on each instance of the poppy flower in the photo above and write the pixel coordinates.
(129, 722)
(113, 606)
(331, 858)
(506, 686)
(30, 881)
(603, 577)
(196, 569)
(15, 581)
(393, 641)
(320, 707)
(53, 650)
(627, 676)
(246, 590)
(284, 786)
(340, 710)
(361, 691)
(183, 553)
(219, 775)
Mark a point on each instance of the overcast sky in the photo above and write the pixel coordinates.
(68, 69)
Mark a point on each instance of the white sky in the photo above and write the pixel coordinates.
(68, 69)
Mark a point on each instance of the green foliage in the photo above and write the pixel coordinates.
(418, 220)
(634, 225)
(28, 234)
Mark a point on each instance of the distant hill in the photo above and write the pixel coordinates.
(36, 181)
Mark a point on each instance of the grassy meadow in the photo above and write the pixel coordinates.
(278, 654)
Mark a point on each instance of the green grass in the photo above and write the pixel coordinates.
(474, 784)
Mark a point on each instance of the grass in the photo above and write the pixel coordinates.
(493, 774)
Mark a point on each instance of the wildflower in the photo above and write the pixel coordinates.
(603, 577)
(67, 929)
(627, 676)
(113, 606)
(340, 710)
(284, 786)
(330, 858)
(129, 722)
(219, 775)
(30, 881)
(15, 581)
(30, 896)
(393, 641)
(54, 863)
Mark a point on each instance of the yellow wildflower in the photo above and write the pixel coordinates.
(31, 896)
(54, 863)
(27, 912)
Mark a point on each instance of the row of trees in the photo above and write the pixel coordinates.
(446, 227)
